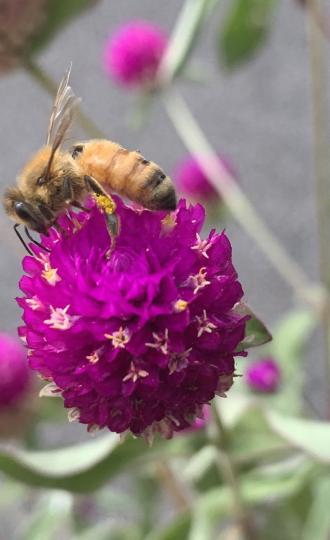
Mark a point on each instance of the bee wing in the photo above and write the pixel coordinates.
(63, 111)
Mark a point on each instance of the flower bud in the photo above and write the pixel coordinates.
(264, 375)
(193, 182)
(133, 54)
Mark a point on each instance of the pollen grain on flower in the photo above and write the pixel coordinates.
(141, 340)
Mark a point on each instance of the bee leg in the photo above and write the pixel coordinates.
(67, 190)
(21, 239)
(77, 204)
(28, 234)
(112, 218)
(94, 186)
(60, 229)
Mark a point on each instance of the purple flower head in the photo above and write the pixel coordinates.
(192, 181)
(264, 375)
(132, 56)
(139, 339)
(14, 372)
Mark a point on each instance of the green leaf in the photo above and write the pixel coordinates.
(176, 530)
(313, 437)
(82, 467)
(216, 505)
(317, 525)
(199, 463)
(256, 332)
(252, 439)
(58, 14)
(245, 29)
(288, 347)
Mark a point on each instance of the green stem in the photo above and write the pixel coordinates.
(47, 83)
(226, 466)
(318, 75)
(172, 485)
(237, 202)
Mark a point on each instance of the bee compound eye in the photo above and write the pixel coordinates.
(41, 180)
(22, 211)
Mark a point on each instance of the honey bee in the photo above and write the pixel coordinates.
(56, 179)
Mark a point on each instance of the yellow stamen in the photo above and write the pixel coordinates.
(50, 275)
(180, 305)
(168, 222)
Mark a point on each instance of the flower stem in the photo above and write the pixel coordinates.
(47, 83)
(225, 463)
(318, 75)
(237, 202)
(170, 482)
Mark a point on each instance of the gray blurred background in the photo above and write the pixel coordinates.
(259, 118)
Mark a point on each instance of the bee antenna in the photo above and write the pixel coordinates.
(21, 238)
(28, 234)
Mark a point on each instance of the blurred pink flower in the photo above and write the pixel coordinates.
(263, 375)
(14, 371)
(193, 183)
(132, 55)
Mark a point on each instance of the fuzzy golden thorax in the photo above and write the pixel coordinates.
(36, 189)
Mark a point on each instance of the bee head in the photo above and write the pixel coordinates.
(34, 216)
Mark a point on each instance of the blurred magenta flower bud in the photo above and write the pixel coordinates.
(14, 371)
(193, 183)
(133, 54)
(263, 375)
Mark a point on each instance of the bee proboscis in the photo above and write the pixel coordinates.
(56, 179)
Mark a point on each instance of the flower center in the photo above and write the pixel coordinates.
(161, 342)
(135, 373)
(179, 361)
(204, 325)
(198, 281)
(59, 318)
(119, 338)
(202, 246)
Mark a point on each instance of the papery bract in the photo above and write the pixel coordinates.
(139, 339)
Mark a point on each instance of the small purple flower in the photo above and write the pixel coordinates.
(139, 339)
(193, 183)
(264, 375)
(14, 372)
(132, 56)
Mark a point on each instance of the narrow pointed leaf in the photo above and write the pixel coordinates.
(256, 332)
(82, 467)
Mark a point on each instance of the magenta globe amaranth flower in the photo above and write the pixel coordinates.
(133, 54)
(14, 372)
(192, 181)
(139, 338)
(264, 375)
